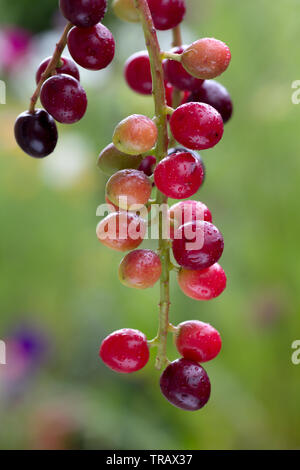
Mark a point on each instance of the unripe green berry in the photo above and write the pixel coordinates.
(126, 10)
(112, 160)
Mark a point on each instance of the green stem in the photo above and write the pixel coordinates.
(177, 94)
(161, 151)
(51, 66)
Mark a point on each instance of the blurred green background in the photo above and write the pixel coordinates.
(58, 283)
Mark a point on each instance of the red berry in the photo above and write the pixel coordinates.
(92, 48)
(198, 341)
(185, 384)
(36, 133)
(121, 231)
(138, 73)
(147, 165)
(206, 58)
(179, 175)
(129, 187)
(167, 14)
(125, 351)
(68, 67)
(189, 211)
(216, 95)
(197, 245)
(64, 98)
(204, 284)
(197, 126)
(83, 13)
(178, 76)
(140, 269)
(136, 134)
(112, 160)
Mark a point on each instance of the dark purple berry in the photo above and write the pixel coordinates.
(83, 13)
(147, 165)
(36, 133)
(66, 66)
(215, 94)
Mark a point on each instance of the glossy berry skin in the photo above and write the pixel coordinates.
(147, 165)
(125, 351)
(112, 160)
(206, 58)
(83, 13)
(217, 96)
(136, 134)
(197, 126)
(129, 187)
(167, 14)
(125, 10)
(178, 76)
(197, 245)
(179, 175)
(185, 384)
(140, 269)
(204, 284)
(198, 341)
(189, 211)
(138, 73)
(121, 231)
(92, 48)
(64, 98)
(36, 133)
(68, 67)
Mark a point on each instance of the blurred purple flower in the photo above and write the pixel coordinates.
(15, 46)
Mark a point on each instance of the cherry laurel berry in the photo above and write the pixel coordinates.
(206, 58)
(129, 187)
(66, 66)
(167, 14)
(140, 269)
(83, 13)
(125, 351)
(204, 284)
(112, 160)
(178, 76)
(126, 10)
(189, 211)
(136, 134)
(197, 126)
(179, 175)
(92, 48)
(197, 245)
(216, 95)
(138, 73)
(36, 133)
(64, 98)
(147, 165)
(121, 231)
(198, 341)
(185, 384)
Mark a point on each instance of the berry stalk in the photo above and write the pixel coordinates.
(51, 66)
(161, 151)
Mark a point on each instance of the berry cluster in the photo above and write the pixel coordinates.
(64, 100)
(139, 163)
(148, 161)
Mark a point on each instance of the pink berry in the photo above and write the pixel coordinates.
(92, 48)
(83, 13)
(206, 58)
(125, 351)
(216, 95)
(198, 341)
(121, 231)
(167, 14)
(197, 126)
(140, 269)
(136, 134)
(189, 211)
(179, 175)
(138, 73)
(129, 187)
(64, 98)
(185, 384)
(178, 76)
(197, 245)
(147, 165)
(204, 284)
(66, 66)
